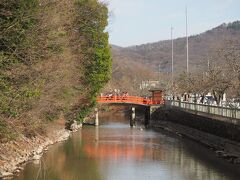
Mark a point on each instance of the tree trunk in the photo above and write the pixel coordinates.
(216, 98)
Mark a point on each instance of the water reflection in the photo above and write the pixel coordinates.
(117, 152)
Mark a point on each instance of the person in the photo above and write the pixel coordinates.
(109, 96)
(124, 96)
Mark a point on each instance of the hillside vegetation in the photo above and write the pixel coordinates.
(54, 59)
(202, 48)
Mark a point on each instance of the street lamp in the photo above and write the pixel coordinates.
(172, 53)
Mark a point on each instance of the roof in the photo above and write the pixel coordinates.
(156, 89)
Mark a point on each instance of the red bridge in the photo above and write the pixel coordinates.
(129, 100)
(150, 103)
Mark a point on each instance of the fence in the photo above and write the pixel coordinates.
(216, 110)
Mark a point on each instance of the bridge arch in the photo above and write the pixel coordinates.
(134, 114)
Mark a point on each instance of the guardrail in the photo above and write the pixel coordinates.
(215, 110)
(127, 99)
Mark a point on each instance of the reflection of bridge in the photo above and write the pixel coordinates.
(128, 100)
(115, 151)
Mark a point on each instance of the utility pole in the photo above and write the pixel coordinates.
(172, 53)
(187, 39)
(208, 64)
(159, 70)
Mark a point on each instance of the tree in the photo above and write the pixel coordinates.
(231, 56)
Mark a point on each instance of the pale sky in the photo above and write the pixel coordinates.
(134, 22)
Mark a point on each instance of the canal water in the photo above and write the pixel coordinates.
(114, 151)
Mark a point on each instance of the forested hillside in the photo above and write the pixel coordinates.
(203, 48)
(54, 59)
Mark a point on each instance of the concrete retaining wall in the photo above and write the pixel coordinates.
(202, 123)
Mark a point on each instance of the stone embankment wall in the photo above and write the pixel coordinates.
(15, 154)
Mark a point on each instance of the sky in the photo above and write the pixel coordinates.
(135, 22)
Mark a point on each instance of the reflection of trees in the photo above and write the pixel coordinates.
(71, 162)
(65, 162)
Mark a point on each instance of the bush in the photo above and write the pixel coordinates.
(5, 132)
(16, 19)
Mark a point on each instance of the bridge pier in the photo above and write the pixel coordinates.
(147, 115)
(96, 117)
(133, 117)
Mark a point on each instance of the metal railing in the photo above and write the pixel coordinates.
(209, 109)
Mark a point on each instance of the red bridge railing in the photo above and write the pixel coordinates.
(128, 99)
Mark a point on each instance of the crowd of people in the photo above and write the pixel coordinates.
(116, 93)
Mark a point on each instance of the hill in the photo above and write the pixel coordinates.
(148, 57)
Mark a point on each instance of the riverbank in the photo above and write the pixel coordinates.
(224, 148)
(48, 72)
(14, 154)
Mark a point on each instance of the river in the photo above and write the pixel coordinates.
(114, 151)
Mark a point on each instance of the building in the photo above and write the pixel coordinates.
(149, 84)
(157, 95)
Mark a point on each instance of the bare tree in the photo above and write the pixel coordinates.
(231, 56)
